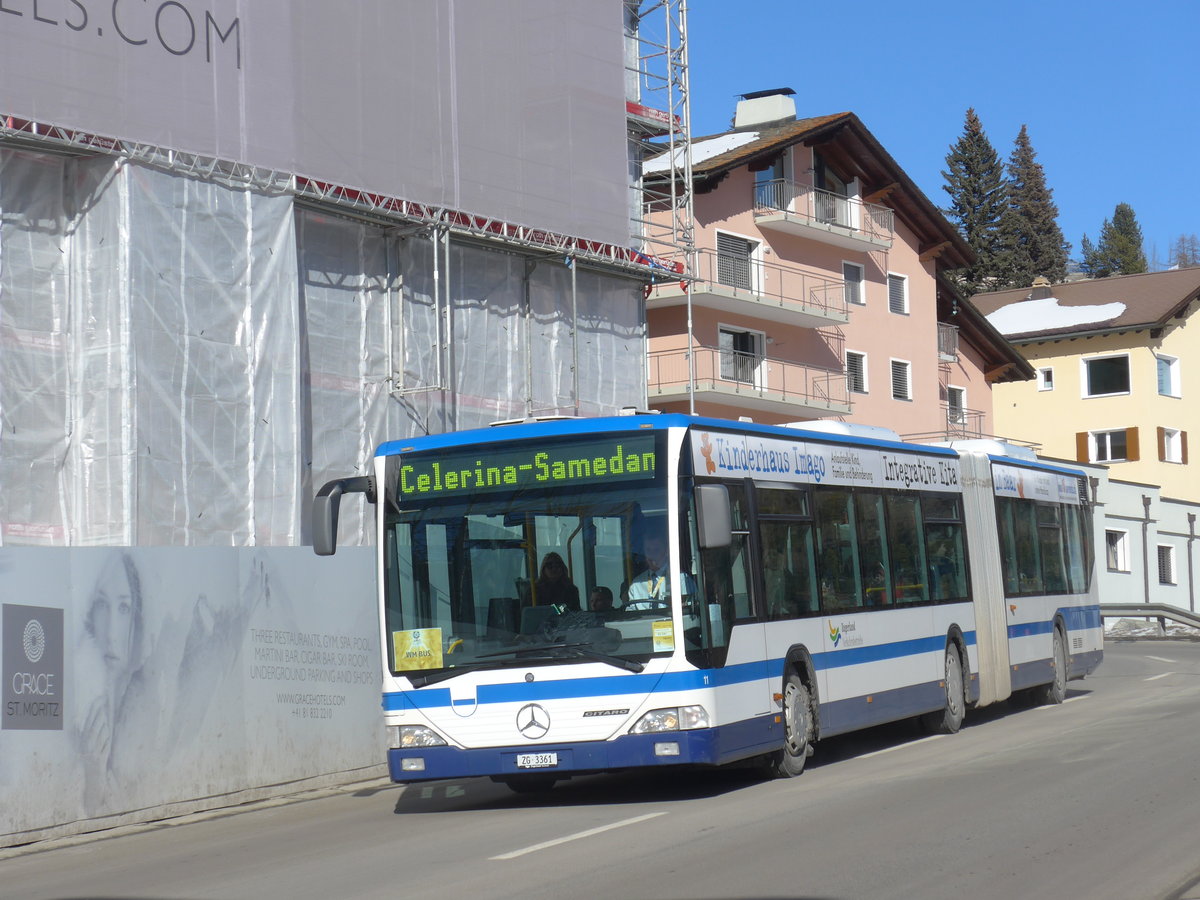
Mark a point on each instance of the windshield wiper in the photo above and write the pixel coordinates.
(528, 653)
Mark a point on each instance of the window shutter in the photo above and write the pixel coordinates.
(900, 385)
(855, 376)
(1183, 447)
(1082, 447)
(1131, 445)
(896, 294)
(1162, 444)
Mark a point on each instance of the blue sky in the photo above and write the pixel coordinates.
(1109, 91)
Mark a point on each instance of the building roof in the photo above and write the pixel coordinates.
(1089, 307)
(845, 144)
(1001, 360)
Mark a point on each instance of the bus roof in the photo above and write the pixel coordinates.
(561, 427)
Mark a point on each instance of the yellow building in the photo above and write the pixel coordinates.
(1118, 373)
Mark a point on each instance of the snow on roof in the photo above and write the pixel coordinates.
(1047, 314)
(705, 149)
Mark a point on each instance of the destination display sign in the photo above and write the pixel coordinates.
(808, 462)
(481, 470)
(1035, 484)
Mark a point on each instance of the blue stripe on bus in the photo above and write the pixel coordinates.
(574, 688)
(1076, 618)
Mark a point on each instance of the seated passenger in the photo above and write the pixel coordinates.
(554, 586)
(600, 601)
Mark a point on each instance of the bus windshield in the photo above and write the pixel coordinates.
(532, 566)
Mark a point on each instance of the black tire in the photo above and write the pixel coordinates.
(530, 784)
(1056, 691)
(949, 719)
(797, 728)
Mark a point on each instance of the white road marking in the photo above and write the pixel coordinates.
(1161, 659)
(1156, 677)
(1068, 700)
(924, 740)
(578, 836)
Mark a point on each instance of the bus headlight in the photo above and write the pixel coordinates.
(404, 737)
(672, 718)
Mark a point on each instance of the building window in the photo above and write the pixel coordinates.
(770, 185)
(1111, 446)
(1166, 564)
(735, 261)
(898, 293)
(1172, 445)
(852, 277)
(1106, 376)
(856, 372)
(1045, 379)
(1168, 375)
(1116, 548)
(901, 380)
(741, 355)
(956, 405)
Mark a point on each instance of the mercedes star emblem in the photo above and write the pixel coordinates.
(533, 721)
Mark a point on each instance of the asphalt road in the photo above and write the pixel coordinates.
(1097, 798)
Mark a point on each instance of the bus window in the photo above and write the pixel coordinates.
(945, 548)
(1029, 564)
(788, 571)
(872, 549)
(837, 557)
(907, 550)
(1077, 555)
(1007, 528)
(1050, 545)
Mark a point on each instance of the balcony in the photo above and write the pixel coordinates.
(805, 211)
(748, 381)
(947, 342)
(777, 293)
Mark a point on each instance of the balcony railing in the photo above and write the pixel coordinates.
(869, 222)
(947, 342)
(735, 374)
(781, 287)
(963, 423)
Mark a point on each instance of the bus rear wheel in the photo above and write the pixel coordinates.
(949, 719)
(797, 728)
(1056, 691)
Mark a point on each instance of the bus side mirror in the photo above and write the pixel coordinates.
(714, 522)
(325, 509)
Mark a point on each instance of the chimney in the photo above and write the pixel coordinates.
(1041, 288)
(759, 109)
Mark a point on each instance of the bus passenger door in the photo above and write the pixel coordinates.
(727, 574)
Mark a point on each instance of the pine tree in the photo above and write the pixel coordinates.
(978, 197)
(1119, 249)
(1033, 242)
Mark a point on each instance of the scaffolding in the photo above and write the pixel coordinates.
(658, 112)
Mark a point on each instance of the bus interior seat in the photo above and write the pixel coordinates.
(503, 616)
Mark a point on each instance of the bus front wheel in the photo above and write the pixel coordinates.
(949, 718)
(797, 728)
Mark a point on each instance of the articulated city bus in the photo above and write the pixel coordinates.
(591, 595)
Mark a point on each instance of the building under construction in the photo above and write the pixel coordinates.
(241, 245)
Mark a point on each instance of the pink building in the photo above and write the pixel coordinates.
(819, 290)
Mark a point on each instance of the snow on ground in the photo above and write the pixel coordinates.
(1130, 628)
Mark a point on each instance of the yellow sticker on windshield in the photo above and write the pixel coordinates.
(420, 648)
(663, 634)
